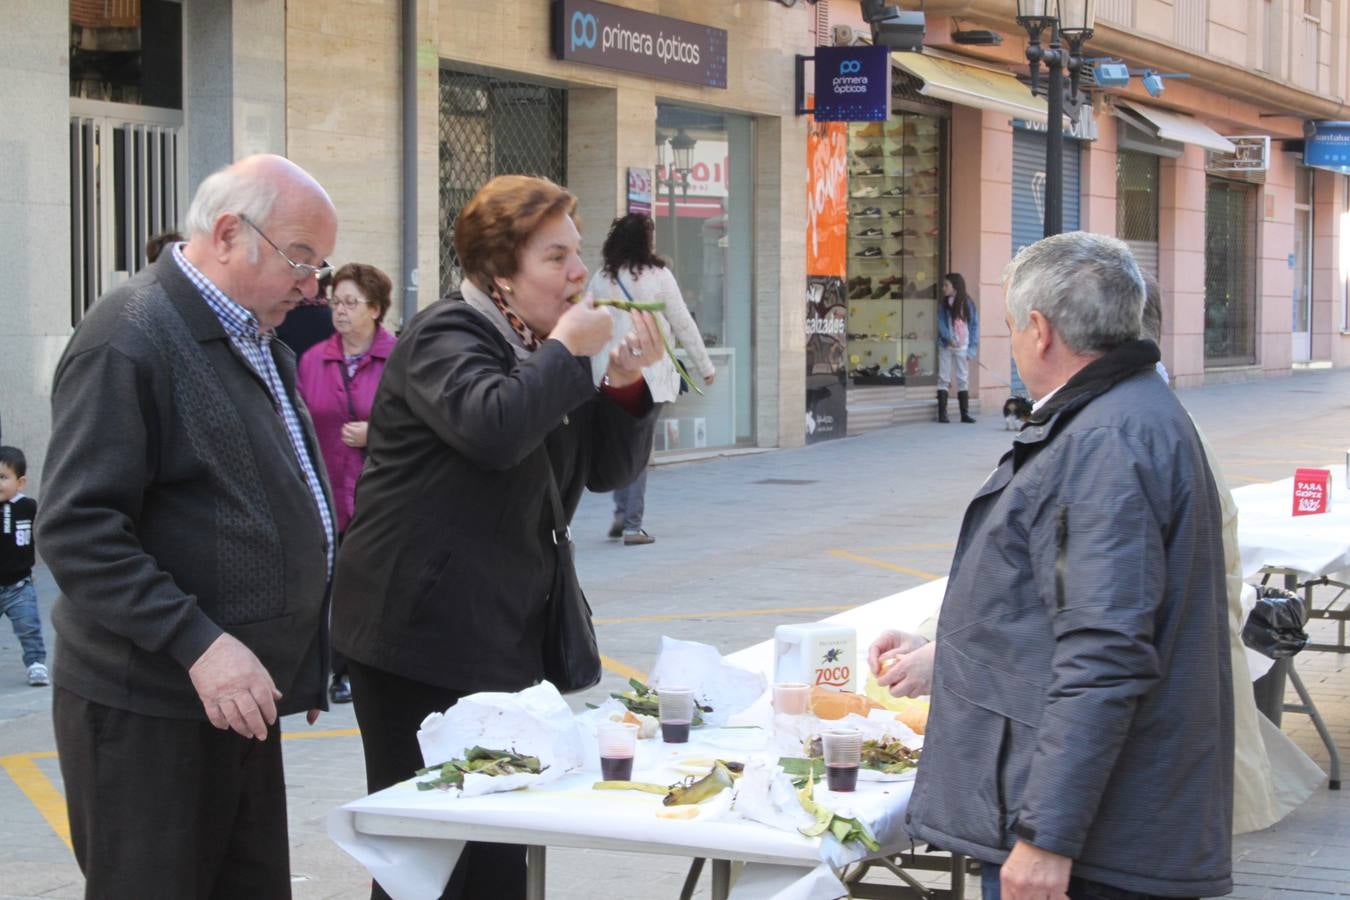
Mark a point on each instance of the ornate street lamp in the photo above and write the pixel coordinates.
(1070, 21)
(682, 163)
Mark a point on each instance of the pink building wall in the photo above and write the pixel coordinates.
(1274, 276)
(980, 226)
(1328, 280)
(1181, 264)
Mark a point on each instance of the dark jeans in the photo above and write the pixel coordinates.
(630, 502)
(171, 808)
(1079, 888)
(389, 710)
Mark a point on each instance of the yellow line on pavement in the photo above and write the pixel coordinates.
(330, 732)
(882, 564)
(895, 548)
(621, 669)
(39, 790)
(722, 614)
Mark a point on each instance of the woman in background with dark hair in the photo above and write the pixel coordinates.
(958, 323)
(633, 271)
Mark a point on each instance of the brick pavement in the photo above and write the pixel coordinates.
(736, 556)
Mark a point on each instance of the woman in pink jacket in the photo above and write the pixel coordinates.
(337, 379)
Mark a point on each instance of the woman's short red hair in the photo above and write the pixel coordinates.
(500, 218)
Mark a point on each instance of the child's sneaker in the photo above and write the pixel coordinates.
(37, 675)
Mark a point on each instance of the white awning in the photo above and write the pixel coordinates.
(1170, 126)
(955, 82)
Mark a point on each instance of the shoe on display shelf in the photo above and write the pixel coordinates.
(868, 152)
(866, 193)
(871, 129)
(869, 172)
(896, 191)
(868, 212)
(869, 253)
(869, 233)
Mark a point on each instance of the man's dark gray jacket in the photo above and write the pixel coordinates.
(1082, 692)
(173, 507)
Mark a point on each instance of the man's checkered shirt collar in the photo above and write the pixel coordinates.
(237, 321)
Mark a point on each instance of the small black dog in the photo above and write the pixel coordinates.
(1016, 411)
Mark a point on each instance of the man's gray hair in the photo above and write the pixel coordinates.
(1087, 286)
(232, 191)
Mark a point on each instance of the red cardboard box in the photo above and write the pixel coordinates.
(1312, 491)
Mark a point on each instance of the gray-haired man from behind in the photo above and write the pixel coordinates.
(1080, 740)
(188, 524)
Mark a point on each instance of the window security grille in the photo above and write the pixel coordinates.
(490, 127)
(126, 184)
(1230, 274)
(1137, 206)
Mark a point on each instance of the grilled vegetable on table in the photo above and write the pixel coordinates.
(886, 755)
(478, 761)
(690, 791)
(641, 700)
(685, 793)
(843, 828)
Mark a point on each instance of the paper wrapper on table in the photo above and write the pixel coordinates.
(764, 794)
(534, 722)
(726, 688)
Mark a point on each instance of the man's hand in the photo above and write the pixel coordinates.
(312, 716)
(235, 689)
(1034, 874)
(908, 674)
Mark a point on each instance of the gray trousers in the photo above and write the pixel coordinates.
(630, 502)
(949, 358)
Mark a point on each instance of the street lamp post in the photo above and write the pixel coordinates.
(682, 163)
(1070, 22)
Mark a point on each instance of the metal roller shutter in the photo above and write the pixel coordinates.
(1028, 187)
(1028, 198)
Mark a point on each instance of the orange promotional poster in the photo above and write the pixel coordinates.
(827, 199)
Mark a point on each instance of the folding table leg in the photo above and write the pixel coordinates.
(691, 879)
(1308, 709)
(534, 872)
(721, 879)
(958, 876)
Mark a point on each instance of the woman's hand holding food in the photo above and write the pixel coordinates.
(583, 328)
(643, 346)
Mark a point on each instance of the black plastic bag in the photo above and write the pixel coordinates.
(1275, 626)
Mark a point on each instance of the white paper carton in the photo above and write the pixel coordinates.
(817, 654)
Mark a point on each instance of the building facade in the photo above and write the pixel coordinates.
(403, 108)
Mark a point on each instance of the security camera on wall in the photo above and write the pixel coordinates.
(899, 29)
(847, 36)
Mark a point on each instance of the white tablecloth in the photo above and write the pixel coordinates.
(429, 827)
(1269, 534)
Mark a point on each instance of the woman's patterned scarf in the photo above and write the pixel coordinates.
(509, 323)
(517, 323)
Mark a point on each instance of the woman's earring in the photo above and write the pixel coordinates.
(506, 288)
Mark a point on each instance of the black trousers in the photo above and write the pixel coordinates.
(171, 808)
(389, 710)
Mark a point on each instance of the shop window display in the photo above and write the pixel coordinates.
(894, 249)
